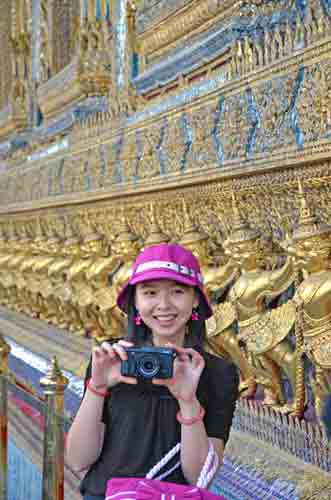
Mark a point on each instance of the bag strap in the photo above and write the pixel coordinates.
(157, 467)
(207, 473)
(209, 468)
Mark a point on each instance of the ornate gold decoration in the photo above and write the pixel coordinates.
(192, 18)
(14, 116)
(80, 64)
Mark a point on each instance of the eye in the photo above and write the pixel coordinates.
(149, 293)
(178, 291)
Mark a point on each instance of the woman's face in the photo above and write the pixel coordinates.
(165, 306)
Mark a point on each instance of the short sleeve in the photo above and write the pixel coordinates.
(222, 389)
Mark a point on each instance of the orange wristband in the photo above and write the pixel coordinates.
(193, 420)
(101, 394)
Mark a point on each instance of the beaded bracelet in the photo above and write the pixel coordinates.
(193, 420)
(101, 394)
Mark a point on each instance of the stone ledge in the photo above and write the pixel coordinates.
(46, 340)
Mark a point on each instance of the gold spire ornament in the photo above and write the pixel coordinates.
(155, 235)
(53, 384)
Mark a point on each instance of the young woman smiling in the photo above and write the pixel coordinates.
(126, 425)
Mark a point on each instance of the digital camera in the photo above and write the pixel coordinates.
(149, 362)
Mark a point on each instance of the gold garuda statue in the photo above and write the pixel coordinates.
(264, 331)
(222, 337)
(311, 246)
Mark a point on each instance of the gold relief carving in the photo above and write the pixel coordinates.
(69, 173)
(250, 55)
(128, 157)
(193, 17)
(78, 174)
(274, 103)
(292, 156)
(202, 152)
(98, 168)
(314, 101)
(149, 163)
(110, 158)
(174, 144)
(234, 127)
(43, 175)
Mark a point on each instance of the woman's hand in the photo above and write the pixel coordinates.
(188, 366)
(106, 364)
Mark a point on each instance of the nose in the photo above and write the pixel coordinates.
(164, 301)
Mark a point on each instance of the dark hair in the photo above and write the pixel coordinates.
(141, 334)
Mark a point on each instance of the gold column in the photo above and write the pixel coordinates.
(103, 8)
(54, 384)
(4, 352)
(91, 10)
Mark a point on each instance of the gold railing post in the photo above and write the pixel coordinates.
(4, 352)
(53, 384)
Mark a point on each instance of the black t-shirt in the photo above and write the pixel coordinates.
(141, 425)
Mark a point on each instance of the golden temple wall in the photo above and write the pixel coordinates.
(203, 122)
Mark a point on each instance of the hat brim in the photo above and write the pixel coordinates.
(159, 274)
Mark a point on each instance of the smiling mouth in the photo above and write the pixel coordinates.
(165, 319)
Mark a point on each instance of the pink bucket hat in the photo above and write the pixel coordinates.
(165, 261)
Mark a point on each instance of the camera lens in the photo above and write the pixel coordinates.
(148, 366)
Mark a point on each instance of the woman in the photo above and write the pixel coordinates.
(125, 425)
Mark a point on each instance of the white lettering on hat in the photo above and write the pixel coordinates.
(172, 266)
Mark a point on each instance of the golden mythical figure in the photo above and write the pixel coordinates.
(4, 257)
(222, 337)
(45, 249)
(312, 250)
(67, 316)
(107, 277)
(20, 251)
(92, 245)
(264, 331)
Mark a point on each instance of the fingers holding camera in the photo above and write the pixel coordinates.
(188, 367)
(190, 355)
(106, 363)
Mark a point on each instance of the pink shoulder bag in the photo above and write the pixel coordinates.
(153, 488)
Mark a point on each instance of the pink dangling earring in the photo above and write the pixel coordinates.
(195, 315)
(137, 319)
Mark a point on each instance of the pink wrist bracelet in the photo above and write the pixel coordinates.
(192, 420)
